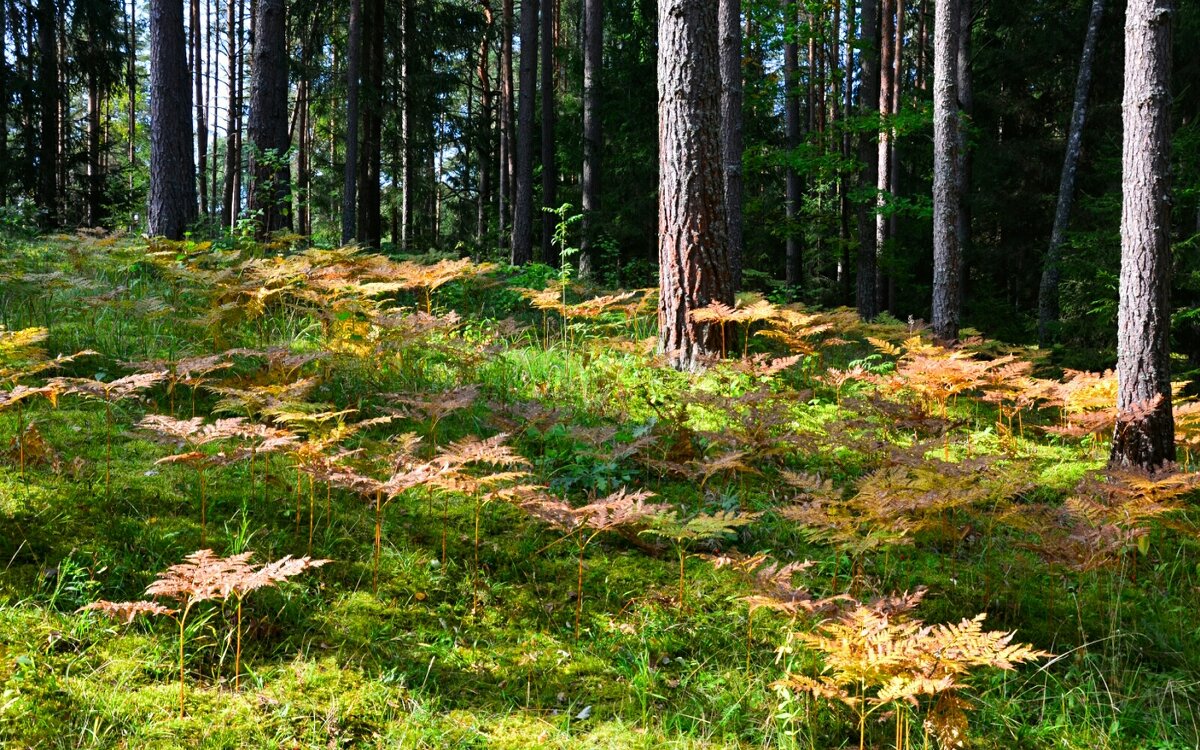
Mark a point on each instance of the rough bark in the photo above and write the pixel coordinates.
(349, 175)
(172, 172)
(268, 121)
(370, 196)
(131, 83)
(408, 166)
(1048, 291)
(549, 167)
(1145, 434)
(693, 262)
(883, 151)
(865, 299)
(966, 107)
(794, 261)
(522, 236)
(730, 22)
(3, 109)
(483, 73)
(593, 61)
(232, 199)
(947, 255)
(95, 183)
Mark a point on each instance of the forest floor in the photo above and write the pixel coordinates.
(890, 464)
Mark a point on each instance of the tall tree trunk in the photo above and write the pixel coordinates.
(794, 262)
(593, 143)
(131, 83)
(407, 129)
(730, 23)
(1048, 291)
(201, 113)
(844, 177)
(893, 159)
(485, 125)
(95, 186)
(172, 172)
(966, 106)
(350, 176)
(370, 230)
(268, 124)
(883, 152)
(947, 254)
(549, 167)
(1145, 434)
(303, 158)
(48, 96)
(230, 205)
(3, 107)
(522, 239)
(865, 299)
(507, 126)
(693, 263)
(213, 16)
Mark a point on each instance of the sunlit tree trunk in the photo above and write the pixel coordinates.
(865, 299)
(1145, 434)
(693, 257)
(522, 238)
(947, 254)
(549, 167)
(268, 121)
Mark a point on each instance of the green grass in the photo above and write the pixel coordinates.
(329, 664)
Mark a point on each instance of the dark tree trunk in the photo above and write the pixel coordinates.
(3, 107)
(232, 202)
(865, 299)
(172, 172)
(1048, 292)
(268, 121)
(201, 114)
(507, 125)
(966, 107)
(485, 125)
(370, 228)
(350, 176)
(47, 20)
(549, 167)
(730, 23)
(95, 186)
(693, 262)
(407, 130)
(947, 254)
(131, 83)
(522, 239)
(794, 262)
(1145, 434)
(593, 64)
(844, 178)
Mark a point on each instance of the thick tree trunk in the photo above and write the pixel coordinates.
(844, 177)
(370, 229)
(408, 156)
(693, 262)
(947, 254)
(549, 167)
(350, 174)
(865, 299)
(1145, 434)
(172, 172)
(730, 23)
(593, 62)
(48, 97)
(1048, 292)
(95, 186)
(794, 261)
(268, 122)
(522, 239)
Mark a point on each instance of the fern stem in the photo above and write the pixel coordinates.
(237, 653)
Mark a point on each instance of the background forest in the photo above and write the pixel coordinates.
(435, 115)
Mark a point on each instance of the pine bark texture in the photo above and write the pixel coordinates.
(1145, 436)
(865, 299)
(172, 172)
(883, 155)
(730, 29)
(48, 98)
(947, 255)
(593, 143)
(1048, 292)
(522, 237)
(693, 258)
(268, 121)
